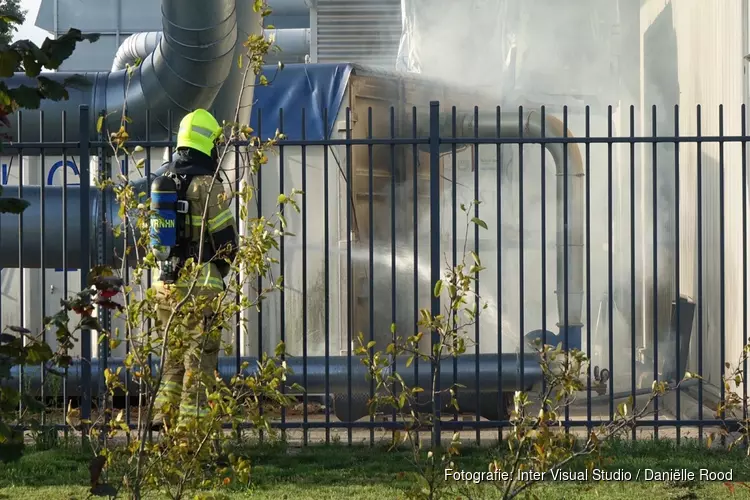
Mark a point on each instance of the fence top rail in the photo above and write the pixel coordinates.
(97, 146)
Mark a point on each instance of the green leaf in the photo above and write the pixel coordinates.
(476, 258)
(13, 205)
(622, 409)
(438, 288)
(90, 322)
(38, 353)
(9, 396)
(5, 432)
(402, 400)
(51, 89)
(26, 97)
(10, 60)
(479, 222)
(31, 66)
(5, 369)
(280, 349)
(60, 49)
(9, 18)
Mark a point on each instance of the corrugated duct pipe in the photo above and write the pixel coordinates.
(186, 70)
(290, 41)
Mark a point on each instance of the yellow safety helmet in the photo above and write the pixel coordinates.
(198, 130)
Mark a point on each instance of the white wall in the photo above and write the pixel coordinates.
(293, 258)
(700, 48)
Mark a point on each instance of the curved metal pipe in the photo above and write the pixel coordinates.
(138, 46)
(338, 373)
(134, 47)
(193, 60)
(569, 166)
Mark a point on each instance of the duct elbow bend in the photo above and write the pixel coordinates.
(570, 224)
(134, 48)
(570, 173)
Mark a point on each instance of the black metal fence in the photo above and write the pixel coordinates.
(645, 268)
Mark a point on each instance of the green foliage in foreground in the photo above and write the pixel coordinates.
(361, 472)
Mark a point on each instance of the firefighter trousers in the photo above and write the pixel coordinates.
(193, 355)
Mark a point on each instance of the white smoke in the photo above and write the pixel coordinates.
(544, 52)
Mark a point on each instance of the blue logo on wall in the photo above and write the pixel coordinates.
(68, 164)
(5, 171)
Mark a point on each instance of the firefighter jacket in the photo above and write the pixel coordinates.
(205, 194)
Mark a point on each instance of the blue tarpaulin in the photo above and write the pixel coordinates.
(312, 87)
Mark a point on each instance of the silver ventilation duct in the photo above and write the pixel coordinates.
(135, 47)
(193, 61)
(294, 42)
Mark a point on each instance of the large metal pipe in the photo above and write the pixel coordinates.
(569, 167)
(54, 219)
(338, 378)
(59, 225)
(294, 41)
(192, 62)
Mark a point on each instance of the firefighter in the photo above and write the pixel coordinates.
(178, 200)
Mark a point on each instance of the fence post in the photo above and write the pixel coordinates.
(435, 255)
(103, 171)
(84, 132)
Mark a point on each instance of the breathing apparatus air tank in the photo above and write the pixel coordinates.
(163, 217)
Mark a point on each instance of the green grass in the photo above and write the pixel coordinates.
(336, 471)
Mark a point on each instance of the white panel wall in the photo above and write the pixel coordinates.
(293, 258)
(703, 45)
